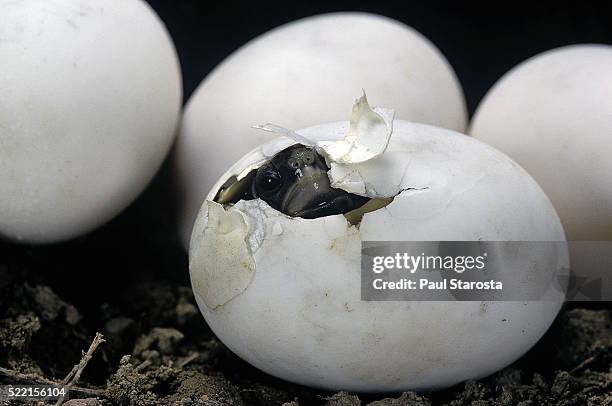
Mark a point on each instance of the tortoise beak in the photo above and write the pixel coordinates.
(310, 190)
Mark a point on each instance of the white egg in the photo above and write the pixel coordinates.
(302, 74)
(553, 115)
(284, 293)
(90, 100)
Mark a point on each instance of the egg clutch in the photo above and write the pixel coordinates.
(275, 216)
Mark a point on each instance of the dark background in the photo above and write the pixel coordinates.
(481, 43)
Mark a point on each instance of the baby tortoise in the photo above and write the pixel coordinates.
(294, 182)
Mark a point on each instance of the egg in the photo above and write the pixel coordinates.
(90, 101)
(284, 292)
(553, 115)
(304, 73)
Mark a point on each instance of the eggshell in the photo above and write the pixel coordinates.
(90, 100)
(305, 73)
(284, 293)
(553, 115)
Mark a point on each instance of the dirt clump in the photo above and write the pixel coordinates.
(164, 385)
(406, 399)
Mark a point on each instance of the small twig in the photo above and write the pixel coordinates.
(98, 339)
(586, 362)
(75, 373)
(33, 379)
(181, 363)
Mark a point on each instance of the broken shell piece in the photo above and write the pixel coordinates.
(368, 135)
(295, 311)
(224, 246)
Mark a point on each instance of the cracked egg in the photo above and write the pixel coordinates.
(275, 260)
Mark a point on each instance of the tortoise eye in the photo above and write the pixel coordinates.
(269, 181)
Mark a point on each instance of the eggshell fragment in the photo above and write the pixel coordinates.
(305, 73)
(89, 103)
(227, 249)
(367, 137)
(301, 317)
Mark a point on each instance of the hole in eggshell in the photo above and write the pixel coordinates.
(302, 187)
(234, 190)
